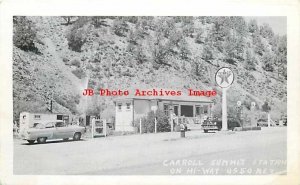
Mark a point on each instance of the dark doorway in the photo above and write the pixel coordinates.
(186, 110)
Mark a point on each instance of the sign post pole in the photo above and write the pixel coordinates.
(104, 127)
(140, 126)
(253, 122)
(93, 127)
(224, 110)
(224, 78)
(155, 125)
(269, 120)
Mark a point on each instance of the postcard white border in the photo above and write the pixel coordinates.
(152, 8)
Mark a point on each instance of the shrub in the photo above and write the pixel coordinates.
(75, 62)
(188, 30)
(132, 37)
(266, 31)
(77, 35)
(200, 37)
(148, 122)
(250, 61)
(24, 34)
(252, 26)
(65, 60)
(97, 21)
(140, 55)
(268, 62)
(132, 19)
(207, 53)
(120, 27)
(79, 73)
(184, 49)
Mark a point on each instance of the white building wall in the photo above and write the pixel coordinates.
(124, 116)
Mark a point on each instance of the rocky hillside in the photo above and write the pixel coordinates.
(57, 57)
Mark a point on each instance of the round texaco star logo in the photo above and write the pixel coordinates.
(224, 77)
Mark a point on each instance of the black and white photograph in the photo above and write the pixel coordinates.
(149, 93)
(153, 95)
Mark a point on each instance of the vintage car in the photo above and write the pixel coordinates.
(262, 122)
(209, 125)
(215, 124)
(40, 132)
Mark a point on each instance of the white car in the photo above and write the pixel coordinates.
(40, 132)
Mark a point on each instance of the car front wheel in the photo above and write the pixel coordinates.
(30, 141)
(77, 136)
(41, 140)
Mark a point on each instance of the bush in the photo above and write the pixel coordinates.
(250, 61)
(24, 34)
(79, 73)
(97, 21)
(65, 60)
(148, 122)
(268, 62)
(120, 27)
(207, 53)
(76, 63)
(200, 37)
(77, 36)
(132, 37)
(140, 55)
(132, 19)
(188, 30)
(184, 49)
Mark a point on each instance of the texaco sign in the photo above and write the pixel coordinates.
(224, 77)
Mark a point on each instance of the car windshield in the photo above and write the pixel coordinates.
(59, 124)
(49, 125)
(38, 125)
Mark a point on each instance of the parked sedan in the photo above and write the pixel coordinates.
(52, 130)
(216, 124)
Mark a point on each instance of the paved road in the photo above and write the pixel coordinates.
(238, 153)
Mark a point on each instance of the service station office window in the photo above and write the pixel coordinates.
(166, 109)
(37, 116)
(205, 109)
(120, 107)
(128, 106)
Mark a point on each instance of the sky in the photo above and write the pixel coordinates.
(278, 24)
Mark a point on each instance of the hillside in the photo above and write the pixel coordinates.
(68, 54)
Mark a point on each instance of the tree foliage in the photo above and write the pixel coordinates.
(68, 19)
(265, 107)
(250, 61)
(252, 26)
(24, 33)
(268, 62)
(207, 54)
(266, 31)
(200, 39)
(76, 35)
